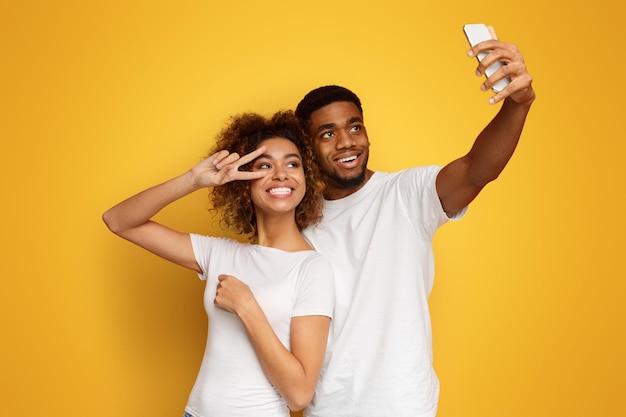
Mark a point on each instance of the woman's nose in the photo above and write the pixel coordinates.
(280, 174)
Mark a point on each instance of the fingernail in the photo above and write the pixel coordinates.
(483, 87)
(478, 73)
(470, 53)
(492, 100)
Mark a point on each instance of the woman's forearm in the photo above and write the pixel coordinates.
(141, 207)
(293, 375)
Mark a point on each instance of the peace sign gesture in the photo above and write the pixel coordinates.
(223, 167)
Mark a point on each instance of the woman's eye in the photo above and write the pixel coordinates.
(264, 165)
(294, 164)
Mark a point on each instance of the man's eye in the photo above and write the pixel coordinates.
(355, 128)
(326, 135)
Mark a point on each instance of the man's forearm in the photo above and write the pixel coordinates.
(496, 143)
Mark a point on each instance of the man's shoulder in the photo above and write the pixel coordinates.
(419, 173)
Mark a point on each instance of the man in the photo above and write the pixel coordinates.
(377, 231)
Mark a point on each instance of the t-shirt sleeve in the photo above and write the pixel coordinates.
(419, 192)
(315, 295)
(206, 248)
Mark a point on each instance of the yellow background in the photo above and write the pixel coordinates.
(102, 99)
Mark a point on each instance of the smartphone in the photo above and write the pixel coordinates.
(477, 33)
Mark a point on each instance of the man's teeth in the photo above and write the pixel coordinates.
(348, 159)
(280, 191)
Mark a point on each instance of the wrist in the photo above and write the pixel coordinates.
(248, 310)
(182, 185)
(526, 99)
(189, 181)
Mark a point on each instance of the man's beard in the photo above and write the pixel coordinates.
(347, 183)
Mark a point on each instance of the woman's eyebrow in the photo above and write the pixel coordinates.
(289, 155)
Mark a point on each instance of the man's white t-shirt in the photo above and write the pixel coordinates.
(231, 382)
(379, 241)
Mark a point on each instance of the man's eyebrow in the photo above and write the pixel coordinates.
(325, 126)
(354, 119)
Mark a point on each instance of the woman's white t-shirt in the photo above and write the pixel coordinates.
(231, 381)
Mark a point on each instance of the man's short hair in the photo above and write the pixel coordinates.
(323, 96)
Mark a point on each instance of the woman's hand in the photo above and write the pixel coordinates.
(223, 167)
(232, 294)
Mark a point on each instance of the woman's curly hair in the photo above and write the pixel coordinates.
(243, 135)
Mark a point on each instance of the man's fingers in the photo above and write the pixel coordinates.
(492, 32)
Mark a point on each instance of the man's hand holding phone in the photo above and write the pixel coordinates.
(501, 63)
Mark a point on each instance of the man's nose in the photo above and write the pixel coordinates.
(345, 140)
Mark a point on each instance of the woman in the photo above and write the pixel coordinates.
(269, 302)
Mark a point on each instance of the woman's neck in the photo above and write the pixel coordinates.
(281, 232)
